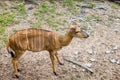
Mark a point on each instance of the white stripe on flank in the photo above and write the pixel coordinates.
(19, 40)
(35, 40)
(39, 45)
(32, 45)
(43, 40)
(27, 39)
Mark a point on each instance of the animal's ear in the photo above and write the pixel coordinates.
(74, 23)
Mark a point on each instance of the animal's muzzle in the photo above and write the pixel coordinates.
(86, 36)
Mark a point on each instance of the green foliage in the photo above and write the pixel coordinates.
(114, 6)
(42, 13)
(6, 19)
(36, 25)
(68, 3)
(52, 1)
(80, 0)
(89, 18)
(97, 17)
(71, 6)
(91, 4)
(2, 29)
(21, 9)
(44, 8)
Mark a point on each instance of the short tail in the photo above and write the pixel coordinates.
(9, 50)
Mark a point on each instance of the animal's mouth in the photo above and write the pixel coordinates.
(86, 36)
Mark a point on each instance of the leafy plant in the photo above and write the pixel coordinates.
(6, 19)
(21, 9)
(2, 29)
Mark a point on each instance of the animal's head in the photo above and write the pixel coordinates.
(76, 31)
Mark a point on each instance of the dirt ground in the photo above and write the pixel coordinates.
(103, 46)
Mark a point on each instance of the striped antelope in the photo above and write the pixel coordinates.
(38, 40)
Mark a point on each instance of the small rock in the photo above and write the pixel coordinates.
(116, 30)
(90, 52)
(88, 65)
(115, 48)
(6, 55)
(107, 52)
(77, 52)
(92, 59)
(118, 62)
(113, 60)
(89, 26)
(30, 8)
(74, 66)
(95, 52)
(101, 6)
(83, 70)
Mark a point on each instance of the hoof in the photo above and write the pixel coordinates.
(61, 63)
(55, 73)
(19, 70)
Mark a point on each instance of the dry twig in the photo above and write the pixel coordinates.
(77, 63)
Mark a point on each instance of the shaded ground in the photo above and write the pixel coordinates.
(103, 45)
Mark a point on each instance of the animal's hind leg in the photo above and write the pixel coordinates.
(15, 63)
(58, 59)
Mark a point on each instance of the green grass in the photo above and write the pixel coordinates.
(114, 6)
(45, 13)
(21, 8)
(44, 8)
(70, 4)
(5, 20)
(48, 14)
(2, 30)
(80, 0)
(97, 17)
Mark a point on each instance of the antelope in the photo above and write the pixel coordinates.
(36, 40)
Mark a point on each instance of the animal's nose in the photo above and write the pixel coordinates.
(86, 36)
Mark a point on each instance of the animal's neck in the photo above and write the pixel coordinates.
(66, 39)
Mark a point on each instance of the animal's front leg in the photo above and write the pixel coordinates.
(58, 59)
(53, 62)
